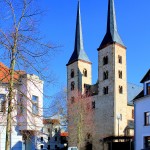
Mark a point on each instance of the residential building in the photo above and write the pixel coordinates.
(27, 113)
(142, 115)
(52, 137)
(100, 112)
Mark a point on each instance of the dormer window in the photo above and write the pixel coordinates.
(72, 73)
(72, 85)
(105, 60)
(85, 73)
(148, 88)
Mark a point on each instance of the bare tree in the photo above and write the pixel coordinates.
(21, 46)
(81, 119)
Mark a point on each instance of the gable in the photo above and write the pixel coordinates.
(146, 77)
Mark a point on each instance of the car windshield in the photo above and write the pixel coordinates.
(73, 148)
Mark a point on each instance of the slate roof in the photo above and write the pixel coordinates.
(141, 94)
(112, 34)
(133, 90)
(78, 53)
(146, 77)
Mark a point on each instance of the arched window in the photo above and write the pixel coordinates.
(72, 73)
(85, 73)
(120, 74)
(105, 60)
(105, 90)
(120, 89)
(72, 85)
(72, 100)
(105, 75)
(120, 59)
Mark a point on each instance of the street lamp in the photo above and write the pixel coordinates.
(65, 146)
(119, 117)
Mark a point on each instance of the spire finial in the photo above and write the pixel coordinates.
(111, 18)
(111, 35)
(79, 52)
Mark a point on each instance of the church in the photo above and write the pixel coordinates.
(100, 114)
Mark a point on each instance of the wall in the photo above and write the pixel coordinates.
(140, 106)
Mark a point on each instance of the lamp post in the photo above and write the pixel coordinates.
(118, 118)
(65, 146)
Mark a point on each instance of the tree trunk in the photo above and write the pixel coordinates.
(10, 98)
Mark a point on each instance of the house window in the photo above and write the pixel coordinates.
(85, 73)
(72, 100)
(105, 60)
(105, 75)
(48, 147)
(72, 73)
(2, 102)
(41, 139)
(147, 118)
(105, 90)
(120, 89)
(147, 141)
(148, 88)
(93, 104)
(120, 74)
(21, 107)
(120, 59)
(34, 104)
(72, 85)
(56, 130)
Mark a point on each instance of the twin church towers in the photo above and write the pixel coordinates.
(107, 99)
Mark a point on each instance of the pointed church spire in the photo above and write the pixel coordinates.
(111, 35)
(78, 53)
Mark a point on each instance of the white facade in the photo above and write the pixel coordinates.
(51, 137)
(142, 119)
(27, 114)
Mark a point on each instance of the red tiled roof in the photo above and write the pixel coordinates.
(53, 121)
(64, 134)
(5, 74)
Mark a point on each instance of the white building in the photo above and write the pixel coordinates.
(27, 120)
(52, 137)
(142, 116)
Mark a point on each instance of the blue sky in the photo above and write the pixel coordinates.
(133, 21)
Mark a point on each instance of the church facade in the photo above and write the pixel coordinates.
(102, 110)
